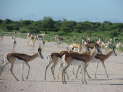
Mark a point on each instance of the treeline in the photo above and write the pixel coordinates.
(47, 24)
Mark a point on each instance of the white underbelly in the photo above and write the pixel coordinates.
(76, 62)
(19, 61)
(95, 60)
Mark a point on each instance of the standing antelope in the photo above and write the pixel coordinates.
(14, 40)
(99, 58)
(75, 58)
(102, 58)
(28, 38)
(54, 59)
(16, 57)
(31, 39)
(40, 39)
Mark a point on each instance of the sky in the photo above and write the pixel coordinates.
(78, 10)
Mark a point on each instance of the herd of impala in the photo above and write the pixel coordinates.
(75, 55)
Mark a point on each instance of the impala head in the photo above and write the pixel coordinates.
(99, 50)
(93, 52)
(40, 52)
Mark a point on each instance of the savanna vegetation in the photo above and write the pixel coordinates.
(67, 28)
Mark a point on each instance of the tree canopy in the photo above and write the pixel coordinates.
(47, 24)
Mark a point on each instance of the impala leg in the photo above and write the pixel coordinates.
(96, 69)
(84, 74)
(87, 72)
(11, 70)
(2, 69)
(60, 68)
(73, 70)
(63, 74)
(52, 70)
(67, 75)
(47, 68)
(105, 69)
(78, 71)
(28, 70)
(22, 71)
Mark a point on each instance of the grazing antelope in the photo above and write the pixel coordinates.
(16, 57)
(75, 58)
(54, 59)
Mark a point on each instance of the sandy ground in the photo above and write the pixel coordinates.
(36, 82)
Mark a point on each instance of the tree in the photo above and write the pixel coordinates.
(67, 26)
(48, 24)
